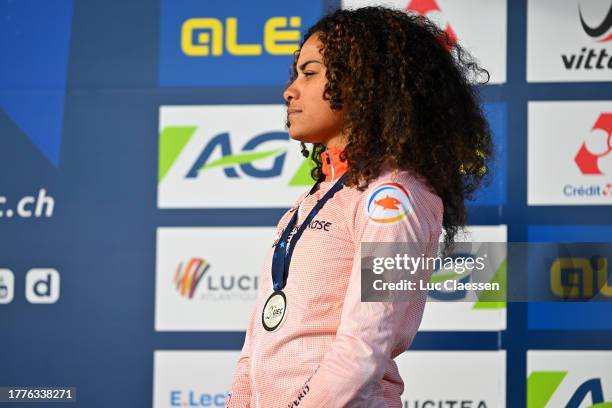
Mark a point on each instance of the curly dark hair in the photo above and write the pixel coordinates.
(410, 100)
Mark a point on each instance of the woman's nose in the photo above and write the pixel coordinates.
(290, 93)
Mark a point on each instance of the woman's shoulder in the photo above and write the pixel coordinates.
(395, 197)
(403, 181)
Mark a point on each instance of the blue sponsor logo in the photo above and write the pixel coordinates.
(572, 282)
(235, 164)
(244, 159)
(191, 398)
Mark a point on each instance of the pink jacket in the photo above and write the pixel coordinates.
(333, 350)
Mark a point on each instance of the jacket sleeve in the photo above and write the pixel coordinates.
(240, 393)
(371, 333)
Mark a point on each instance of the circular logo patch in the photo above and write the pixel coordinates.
(388, 203)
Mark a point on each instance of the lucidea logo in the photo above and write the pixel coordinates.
(228, 156)
(207, 278)
(464, 379)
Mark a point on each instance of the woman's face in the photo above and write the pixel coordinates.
(310, 118)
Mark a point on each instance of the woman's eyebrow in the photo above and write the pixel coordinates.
(306, 63)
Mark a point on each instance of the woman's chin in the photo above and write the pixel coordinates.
(300, 137)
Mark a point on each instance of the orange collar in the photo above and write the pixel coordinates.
(335, 167)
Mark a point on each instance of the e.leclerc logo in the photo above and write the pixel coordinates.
(196, 398)
(588, 159)
(225, 45)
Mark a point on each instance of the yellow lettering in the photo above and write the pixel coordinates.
(231, 40)
(281, 37)
(274, 33)
(602, 277)
(577, 280)
(202, 47)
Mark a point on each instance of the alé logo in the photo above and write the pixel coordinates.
(230, 44)
(431, 10)
(593, 152)
(599, 31)
(211, 41)
(243, 163)
(542, 385)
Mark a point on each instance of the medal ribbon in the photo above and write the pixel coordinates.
(281, 259)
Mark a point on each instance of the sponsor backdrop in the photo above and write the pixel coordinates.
(145, 164)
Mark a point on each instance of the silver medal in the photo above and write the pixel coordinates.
(274, 311)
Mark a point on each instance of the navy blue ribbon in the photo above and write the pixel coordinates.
(281, 259)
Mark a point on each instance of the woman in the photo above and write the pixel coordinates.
(399, 143)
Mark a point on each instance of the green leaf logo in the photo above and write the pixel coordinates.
(172, 141)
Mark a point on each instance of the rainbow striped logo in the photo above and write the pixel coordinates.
(188, 275)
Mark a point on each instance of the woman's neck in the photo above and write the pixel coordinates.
(333, 167)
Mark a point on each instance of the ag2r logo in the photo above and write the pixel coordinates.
(542, 385)
(174, 139)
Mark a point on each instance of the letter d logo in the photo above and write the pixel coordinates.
(42, 285)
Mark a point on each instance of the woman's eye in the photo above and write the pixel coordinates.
(307, 74)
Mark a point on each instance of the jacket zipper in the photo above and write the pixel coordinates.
(329, 162)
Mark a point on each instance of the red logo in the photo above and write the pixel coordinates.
(388, 203)
(586, 160)
(430, 9)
